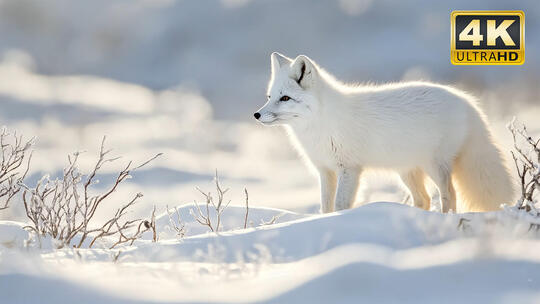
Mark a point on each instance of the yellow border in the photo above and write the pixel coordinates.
(521, 15)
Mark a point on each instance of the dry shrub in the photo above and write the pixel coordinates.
(64, 208)
(16, 156)
(526, 157)
(202, 215)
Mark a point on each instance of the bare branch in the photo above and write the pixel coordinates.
(15, 156)
(526, 156)
(247, 209)
(64, 208)
(177, 225)
(152, 225)
(204, 218)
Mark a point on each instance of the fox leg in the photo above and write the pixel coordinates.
(414, 181)
(441, 176)
(328, 189)
(347, 187)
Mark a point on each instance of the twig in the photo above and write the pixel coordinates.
(13, 167)
(204, 218)
(116, 256)
(527, 165)
(64, 208)
(271, 221)
(152, 225)
(177, 225)
(247, 209)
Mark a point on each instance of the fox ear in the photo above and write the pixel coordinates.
(278, 60)
(303, 71)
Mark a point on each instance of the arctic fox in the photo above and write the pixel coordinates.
(416, 129)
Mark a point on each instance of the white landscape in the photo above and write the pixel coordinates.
(182, 79)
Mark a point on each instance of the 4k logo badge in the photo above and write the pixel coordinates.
(487, 37)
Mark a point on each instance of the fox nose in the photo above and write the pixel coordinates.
(257, 115)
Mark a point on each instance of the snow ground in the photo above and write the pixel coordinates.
(377, 253)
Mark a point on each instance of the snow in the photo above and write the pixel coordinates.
(380, 252)
(12, 234)
(232, 219)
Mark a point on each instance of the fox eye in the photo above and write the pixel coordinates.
(284, 98)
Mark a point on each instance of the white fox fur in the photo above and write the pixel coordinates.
(416, 129)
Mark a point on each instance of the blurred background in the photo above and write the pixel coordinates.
(184, 77)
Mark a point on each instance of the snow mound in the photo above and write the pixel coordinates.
(386, 224)
(232, 218)
(12, 234)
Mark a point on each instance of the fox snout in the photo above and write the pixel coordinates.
(265, 117)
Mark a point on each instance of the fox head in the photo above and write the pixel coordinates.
(291, 97)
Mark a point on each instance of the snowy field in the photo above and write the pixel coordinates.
(377, 253)
(183, 78)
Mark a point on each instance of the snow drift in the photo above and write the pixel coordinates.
(379, 252)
